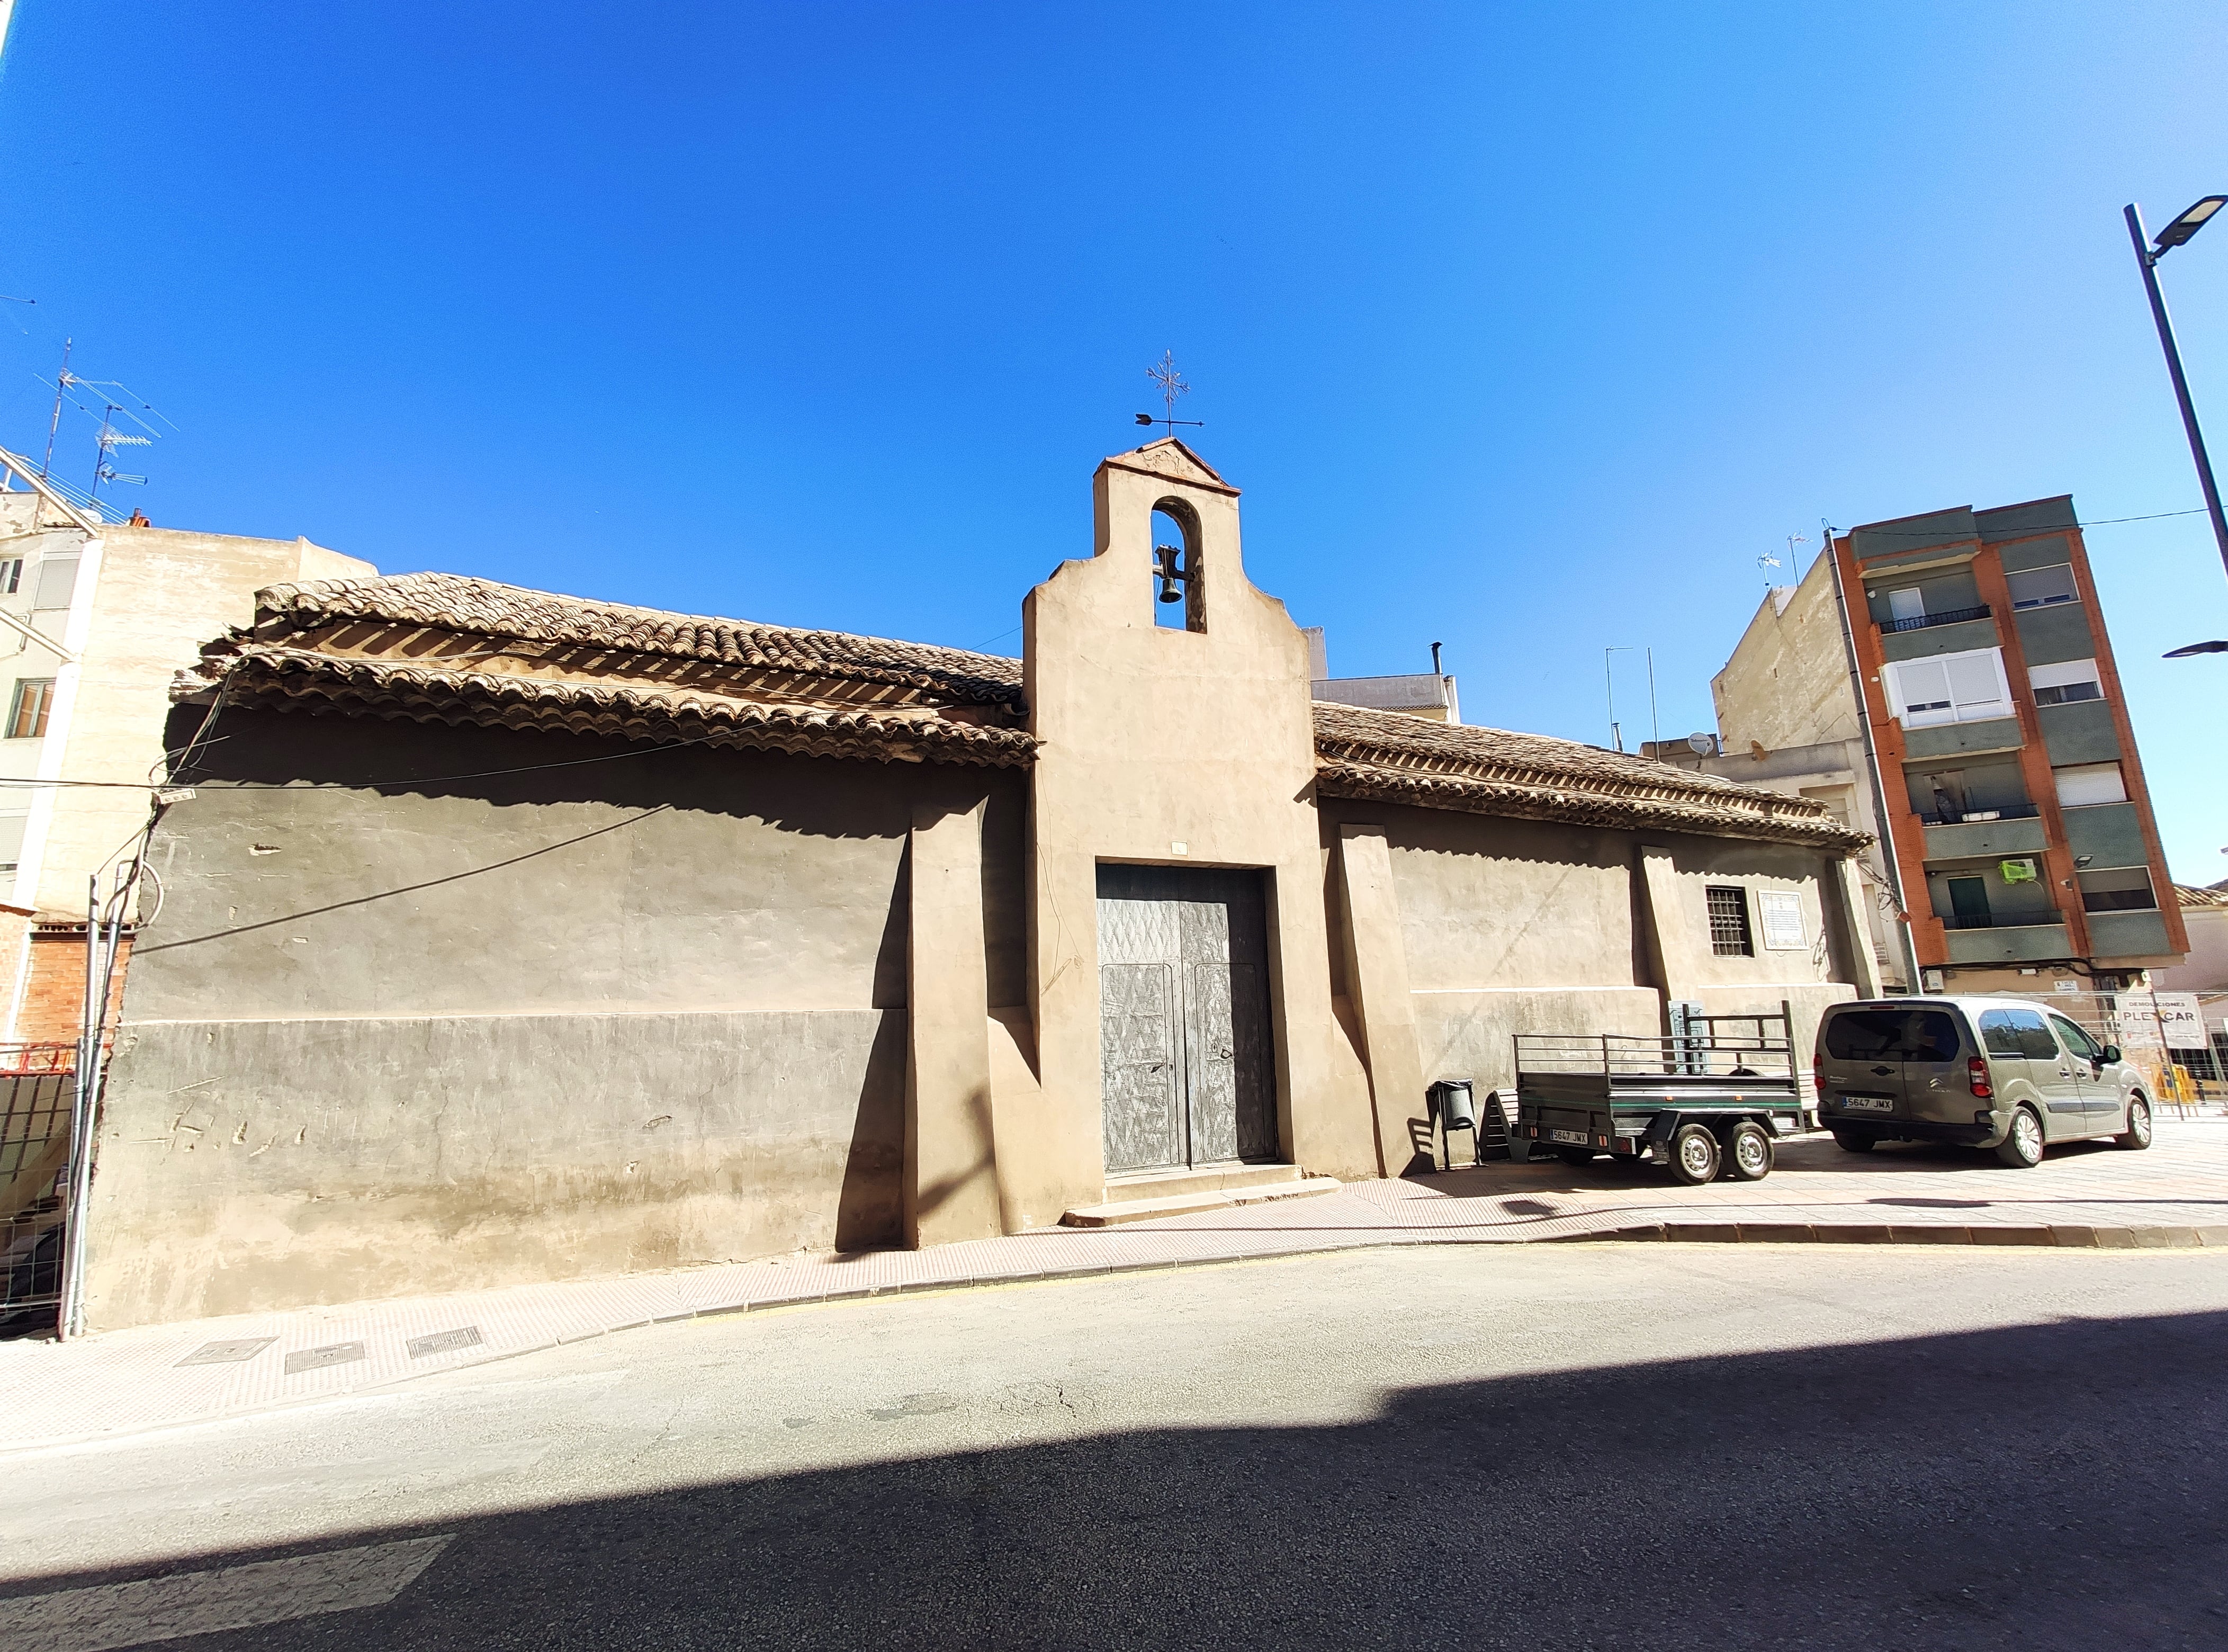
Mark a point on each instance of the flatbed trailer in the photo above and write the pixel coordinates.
(1715, 1096)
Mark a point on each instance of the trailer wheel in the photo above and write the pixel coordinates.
(1694, 1154)
(1575, 1156)
(1749, 1155)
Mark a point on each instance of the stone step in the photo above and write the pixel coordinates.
(1168, 1184)
(1114, 1213)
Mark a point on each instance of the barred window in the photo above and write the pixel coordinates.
(1729, 930)
(27, 713)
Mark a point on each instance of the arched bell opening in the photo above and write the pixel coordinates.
(1179, 593)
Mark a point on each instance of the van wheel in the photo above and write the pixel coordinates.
(2022, 1143)
(2138, 1134)
(1694, 1154)
(1850, 1142)
(1575, 1156)
(1748, 1155)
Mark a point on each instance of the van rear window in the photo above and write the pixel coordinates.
(1892, 1035)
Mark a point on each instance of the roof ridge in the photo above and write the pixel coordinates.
(490, 607)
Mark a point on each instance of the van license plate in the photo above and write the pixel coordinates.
(1578, 1137)
(1868, 1104)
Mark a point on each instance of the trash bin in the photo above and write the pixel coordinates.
(1453, 1106)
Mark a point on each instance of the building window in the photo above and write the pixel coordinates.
(1964, 688)
(56, 581)
(27, 713)
(2066, 682)
(2039, 587)
(1909, 603)
(11, 576)
(2081, 784)
(1729, 930)
(2126, 890)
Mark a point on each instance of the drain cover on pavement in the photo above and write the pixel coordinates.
(314, 1359)
(445, 1342)
(225, 1352)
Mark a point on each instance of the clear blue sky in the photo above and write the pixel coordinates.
(1524, 327)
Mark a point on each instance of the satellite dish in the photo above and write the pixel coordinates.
(1701, 745)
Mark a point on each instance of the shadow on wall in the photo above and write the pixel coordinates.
(819, 797)
(870, 1206)
(827, 798)
(2045, 1486)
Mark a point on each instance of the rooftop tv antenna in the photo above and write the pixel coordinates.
(1172, 385)
(63, 380)
(110, 439)
(1770, 559)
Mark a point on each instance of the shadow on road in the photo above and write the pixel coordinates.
(2055, 1486)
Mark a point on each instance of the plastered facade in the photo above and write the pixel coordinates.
(695, 1003)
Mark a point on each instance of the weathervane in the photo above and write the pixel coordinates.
(1172, 385)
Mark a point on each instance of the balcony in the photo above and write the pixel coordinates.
(2027, 937)
(1978, 817)
(2003, 921)
(1981, 832)
(1920, 622)
(1961, 739)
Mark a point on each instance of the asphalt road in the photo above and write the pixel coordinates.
(1631, 1446)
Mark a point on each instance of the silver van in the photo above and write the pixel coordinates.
(2006, 1073)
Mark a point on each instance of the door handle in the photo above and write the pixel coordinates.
(2066, 1072)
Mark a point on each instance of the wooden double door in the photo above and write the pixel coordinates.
(1188, 1063)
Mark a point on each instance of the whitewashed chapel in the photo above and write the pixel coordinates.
(513, 936)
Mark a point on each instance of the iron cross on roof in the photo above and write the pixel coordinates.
(1172, 385)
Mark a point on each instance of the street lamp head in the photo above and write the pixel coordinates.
(2195, 648)
(2192, 219)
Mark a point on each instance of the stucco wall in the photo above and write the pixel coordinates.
(1171, 746)
(2205, 969)
(1518, 926)
(570, 1021)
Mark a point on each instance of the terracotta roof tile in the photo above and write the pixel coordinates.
(1393, 758)
(483, 607)
(597, 672)
(275, 676)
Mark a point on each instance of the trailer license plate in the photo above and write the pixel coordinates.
(1578, 1137)
(1869, 1104)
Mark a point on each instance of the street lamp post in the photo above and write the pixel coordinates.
(2147, 255)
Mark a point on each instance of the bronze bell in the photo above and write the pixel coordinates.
(1166, 571)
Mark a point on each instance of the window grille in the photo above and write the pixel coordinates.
(1729, 930)
(27, 713)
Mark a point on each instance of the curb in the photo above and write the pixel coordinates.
(1678, 1232)
(2064, 1238)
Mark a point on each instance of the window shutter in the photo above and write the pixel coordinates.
(1976, 686)
(57, 579)
(1921, 691)
(2090, 783)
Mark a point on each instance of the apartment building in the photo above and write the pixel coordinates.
(96, 619)
(2019, 842)
(2011, 779)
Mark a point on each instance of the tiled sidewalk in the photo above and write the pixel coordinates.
(2175, 1194)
